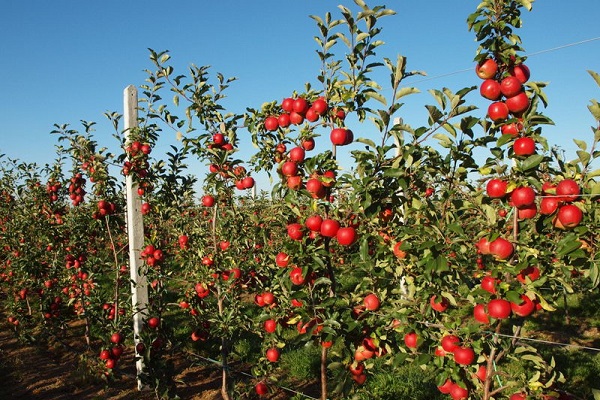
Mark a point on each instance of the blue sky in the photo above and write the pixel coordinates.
(64, 61)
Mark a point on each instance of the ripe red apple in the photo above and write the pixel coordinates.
(282, 259)
(315, 187)
(440, 306)
(524, 146)
(548, 205)
(521, 72)
(496, 188)
(346, 236)
(517, 103)
(289, 168)
(458, 392)
(447, 386)
(518, 396)
(411, 340)
(480, 314)
(271, 123)
(488, 284)
(371, 302)
(284, 120)
(296, 118)
(300, 105)
(510, 86)
(568, 190)
(499, 308)
(294, 182)
(481, 373)
(527, 212)
(523, 196)
(361, 353)
(486, 69)
(483, 246)
(359, 379)
(501, 248)
(294, 231)
(308, 144)
(523, 309)
(297, 154)
(498, 111)
(464, 355)
(296, 276)
(329, 227)
(261, 388)
(105, 355)
(116, 338)
(398, 252)
(208, 200)
(320, 106)
(356, 368)
(153, 322)
(569, 216)
(490, 89)
(314, 223)
(287, 104)
(340, 136)
(268, 298)
(450, 343)
(270, 325)
(512, 129)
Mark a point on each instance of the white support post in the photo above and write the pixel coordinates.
(135, 233)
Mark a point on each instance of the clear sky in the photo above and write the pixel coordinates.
(64, 60)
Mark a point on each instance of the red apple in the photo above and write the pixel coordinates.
(270, 326)
(371, 302)
(523, 309)
(486, 69)
(568, 190)
(490, 89)
(411, 340)
(464, 355)
(517, 103)
(510, 86)
(314, 223)
(329, 227)
(480, 314)
(523, 196)
(569, 216)
(496, 188)
(498, 111)
(524, 146)
(499, 308)
(271, 123)
(440, 306)
(521, 72)
(450, 343)
(346, 236)
(501, 248)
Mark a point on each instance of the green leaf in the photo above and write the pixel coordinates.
(596, 394)
(532, 162)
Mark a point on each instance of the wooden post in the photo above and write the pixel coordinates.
(135, 233)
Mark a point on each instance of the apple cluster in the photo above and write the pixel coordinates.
(76, 189)
(295, 111)
(242, 180)
(137, 162)
(52, 188)
(111, 356)
(556, 201)
(503, 85)
(152, 255)
(104, 208)
(328, 228)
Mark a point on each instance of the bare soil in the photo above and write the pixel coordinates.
(55, 370)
